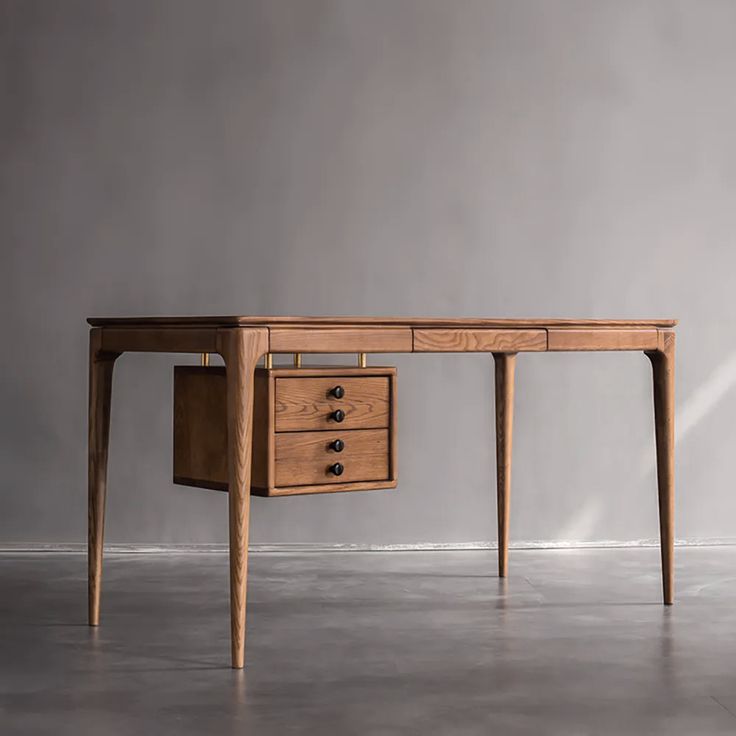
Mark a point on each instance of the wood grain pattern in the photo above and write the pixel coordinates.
(307, 446)
(240, 349)
(100, 394)
(262, 466)
(393, 430)
(379, 485)
(418, 322)
(336, 371)
(306, 403)
(341, 340)
(505, 365)
(159, 340)
(478, 340)
(241, 340)
(200, 426)
(304, 458)
(602, 339)
(663, 374)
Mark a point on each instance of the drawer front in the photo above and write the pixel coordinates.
(305, 458)
(309, 403)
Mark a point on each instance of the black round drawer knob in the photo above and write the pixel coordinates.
(337, 469)
(337, 445)
(338, 392)
(338, 415)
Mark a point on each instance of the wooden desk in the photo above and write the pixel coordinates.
(242, 341)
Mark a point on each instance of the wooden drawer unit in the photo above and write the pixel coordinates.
(315, 430)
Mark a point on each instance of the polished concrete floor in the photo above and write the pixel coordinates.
(575, 642)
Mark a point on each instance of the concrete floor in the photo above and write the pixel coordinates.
(576, 642)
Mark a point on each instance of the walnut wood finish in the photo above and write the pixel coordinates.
(306, 403)
(241, 340)
(339, 487)
(341, 339)
(263, 436)
(414, 322)
(505, 364)
(663, 373)
(304, 458)
(478, 340)
(288, 459)
(336, 371)
(100, 394)
(599, 339)
(240, 349)
(309, 446)
(161, 340)
(200, 427)
(369, 403)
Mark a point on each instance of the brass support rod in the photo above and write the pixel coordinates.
(268, 360)
(362, 360)
(297, 360)
(204, 359)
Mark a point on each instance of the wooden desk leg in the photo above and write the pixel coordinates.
(505, 364)
(100, 394)
(241, 348)
(663, 369)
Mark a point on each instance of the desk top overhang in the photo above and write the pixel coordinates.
(384, 334)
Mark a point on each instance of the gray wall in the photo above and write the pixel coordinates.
(550, 158)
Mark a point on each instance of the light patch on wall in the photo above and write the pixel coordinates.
(583, 523)
(702, 402)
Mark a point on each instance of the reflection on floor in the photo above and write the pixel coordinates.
(575, 642)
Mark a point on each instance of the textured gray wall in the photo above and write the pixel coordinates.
(549, 158)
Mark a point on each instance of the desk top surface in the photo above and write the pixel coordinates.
(416, 322)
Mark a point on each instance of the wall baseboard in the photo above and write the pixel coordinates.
(302, 548)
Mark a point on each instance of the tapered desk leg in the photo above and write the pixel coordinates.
(240, 348)
(505, 364)
(100, 394)
(663, 369)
